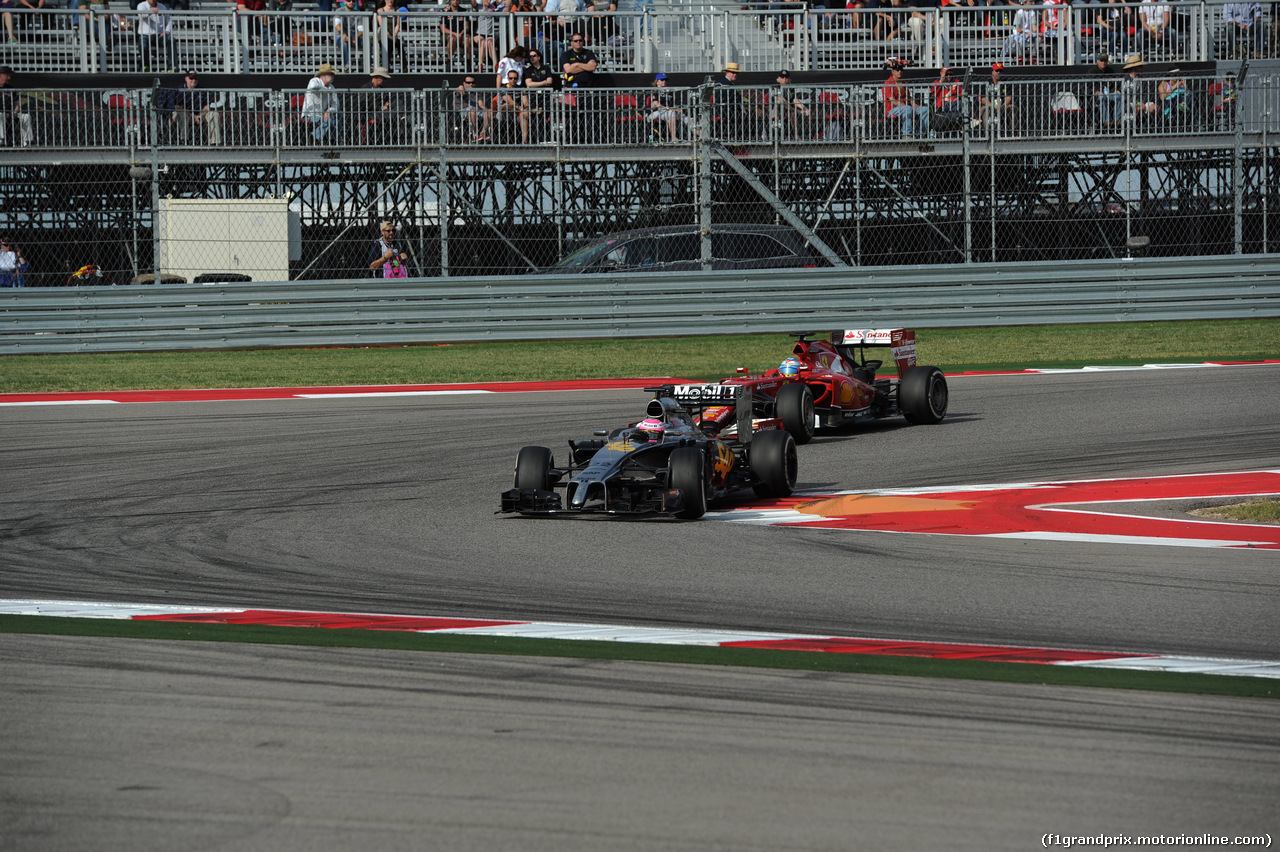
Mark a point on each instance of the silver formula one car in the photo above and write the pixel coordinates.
(664, 464)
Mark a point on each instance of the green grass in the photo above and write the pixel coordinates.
(1259, 511)
(1030, 673)
(954, 350)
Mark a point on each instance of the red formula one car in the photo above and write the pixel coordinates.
(824, 384)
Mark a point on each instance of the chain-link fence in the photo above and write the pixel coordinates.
(115, 36)
(120, 184)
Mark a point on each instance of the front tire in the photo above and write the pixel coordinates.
(922, 395)
(795, 409)
(686, 470)
(533, 469)
(773, 461)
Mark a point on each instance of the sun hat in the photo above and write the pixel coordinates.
(732, 67)
(382, 72)
(326, 68)
(1132, 61)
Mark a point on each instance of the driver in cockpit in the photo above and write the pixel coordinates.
(649, 429)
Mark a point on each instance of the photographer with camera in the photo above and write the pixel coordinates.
(13, 266)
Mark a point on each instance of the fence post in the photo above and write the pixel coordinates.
(444, 204)
(1237, 187)
(702, 146)
(155, 178)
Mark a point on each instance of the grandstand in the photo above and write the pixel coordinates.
(1050, 179)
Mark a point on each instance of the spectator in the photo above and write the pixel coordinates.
(793, 109)
(579, 65)
(512, 106)
(320, 108)
(1022, 41)
(1158, 35)
(1140, 92)
(13, 110)
(280, 27)
(486, 52)
(253, 17)
(31, 22)
(733, 108)
(387, 256)
(539, 78)
(663, 111)
(455, 27)
(513, 61)
(471, 109)
(155, 28)
(898, 104)
(523, 20)
(888, 24)
(600, 26)
(1243, 24)
(1112, 21)
(922, 29)
(387, 113)
(190, 106)
(1175, 103)
(13, 266)
(948, 102)
(551, 36)
(997, 101)
(5, 6)
(348, 31)
(1106, 89)
(387, 23)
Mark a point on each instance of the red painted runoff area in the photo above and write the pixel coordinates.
(1049, 509)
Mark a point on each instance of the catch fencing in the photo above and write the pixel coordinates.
(413, 311)
(1068, 168)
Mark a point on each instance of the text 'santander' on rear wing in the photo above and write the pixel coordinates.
(902, 341)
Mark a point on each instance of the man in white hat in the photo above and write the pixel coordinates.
(321, 108)
(733, 108)
(1139, 92)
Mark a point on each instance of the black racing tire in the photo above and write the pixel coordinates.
(795, 409)
(533, 469)
(922, 395)
(687, 471)
(773, 461)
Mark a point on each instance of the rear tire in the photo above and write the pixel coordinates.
(795, 409)
(533, 469)
(773, 461)
(687, 471)
(922, 395)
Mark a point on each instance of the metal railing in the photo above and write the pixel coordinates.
(429, 40)
(342, 313)
(1118, 106)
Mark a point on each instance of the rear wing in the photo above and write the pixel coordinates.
(901, 340)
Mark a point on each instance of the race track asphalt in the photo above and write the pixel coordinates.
(387, 505)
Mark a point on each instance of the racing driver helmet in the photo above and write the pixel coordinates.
(790, 367)
(650, 429)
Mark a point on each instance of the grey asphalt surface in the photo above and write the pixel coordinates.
(386, 505)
